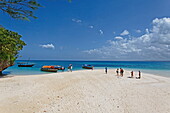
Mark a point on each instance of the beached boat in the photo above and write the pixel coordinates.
(49, 69)
(86, 66)
(25, 64)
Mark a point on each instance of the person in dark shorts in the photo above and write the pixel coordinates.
(139, 75)
(106, 70)
(121, 72)
(117, 71)
(131, 74)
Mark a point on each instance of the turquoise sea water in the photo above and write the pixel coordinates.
(153, 67)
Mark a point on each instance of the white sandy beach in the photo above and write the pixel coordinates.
(85, 91)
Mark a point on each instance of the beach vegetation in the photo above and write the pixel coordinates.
(10, 45)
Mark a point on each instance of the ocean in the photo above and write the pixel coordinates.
(161, 68)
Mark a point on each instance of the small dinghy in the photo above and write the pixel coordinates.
(86, 66)
(25, 64)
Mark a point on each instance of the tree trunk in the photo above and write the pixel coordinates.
(4, 65)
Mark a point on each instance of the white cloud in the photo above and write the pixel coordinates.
(91, 27)
(138, 31)
(101, 32)
(119, 38)
(125, 32)
(51, 46)
(93, 51)
(73, 20)
(76, 20)
(147, 31)
(153, 45)
(79, 21)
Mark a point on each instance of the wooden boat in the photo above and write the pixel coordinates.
(23, 64)
(86, 66)
(49, 69)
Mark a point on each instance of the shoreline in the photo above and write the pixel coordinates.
(90, 91)
(150, 67)
(113, 69)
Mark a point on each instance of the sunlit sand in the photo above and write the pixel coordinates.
(85, 91)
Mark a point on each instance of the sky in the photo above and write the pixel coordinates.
(112, 30)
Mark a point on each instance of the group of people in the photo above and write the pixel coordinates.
(121, 71)
(117, 71)
(132, 75)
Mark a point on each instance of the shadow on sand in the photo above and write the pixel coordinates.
(5, 74)
(130, 77)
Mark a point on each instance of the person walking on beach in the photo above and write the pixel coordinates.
(106, 70)
(131, 74)
(117, 71)
(70, 67)
(121, 72)
(139, 75)
(62, 68)
(92, 67)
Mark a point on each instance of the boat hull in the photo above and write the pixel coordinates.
(49, 70)
(26, 65)
(84, 67)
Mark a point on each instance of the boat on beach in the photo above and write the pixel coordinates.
(49, 69)
(53, 68)
(86, 66)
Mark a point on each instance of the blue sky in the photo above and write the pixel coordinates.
(96, 30)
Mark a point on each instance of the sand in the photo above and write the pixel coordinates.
(85, 91)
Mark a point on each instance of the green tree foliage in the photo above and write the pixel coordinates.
(19, 9)
(10, 44)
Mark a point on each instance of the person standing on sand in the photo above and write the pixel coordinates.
(117, 71)
(121, 72)
(139, 74)
(70, 67)
(131, 74)
(106, 70)
(62, 68)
